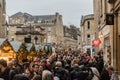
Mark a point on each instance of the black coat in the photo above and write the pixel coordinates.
(104, 75)
(5, 74)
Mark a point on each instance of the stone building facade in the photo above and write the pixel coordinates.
(71, 36)
(116, 33)
(104, 11)
(87, 33)
(2, 18)
(47, 28)
(104, 32)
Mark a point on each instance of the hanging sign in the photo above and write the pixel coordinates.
(96, 42)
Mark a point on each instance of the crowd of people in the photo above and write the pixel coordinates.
(70, 65)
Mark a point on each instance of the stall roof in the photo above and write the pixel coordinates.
(37, 47)
(16, 45)
(28, 45)
(2, 40)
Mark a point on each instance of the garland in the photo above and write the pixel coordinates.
(5, 51)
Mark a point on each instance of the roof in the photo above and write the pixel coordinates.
(15, 45)
(17, 14)
(2, 40)
(37, 18)
(28, 45)
(45, 17)
(41, 18)
(86, 17)
(37, 47)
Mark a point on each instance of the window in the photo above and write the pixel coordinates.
(88, 25)
(88, 39)
(88, 51)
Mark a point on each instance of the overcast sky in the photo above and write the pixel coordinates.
(71, 10)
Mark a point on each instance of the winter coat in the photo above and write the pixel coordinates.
(104, 75)
(5, 74)
(95, 73)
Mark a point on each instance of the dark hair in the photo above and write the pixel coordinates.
(20, 77)
(27, 69)
(3, 62)
(34, 65)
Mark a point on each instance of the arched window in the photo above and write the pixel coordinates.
(88, 24)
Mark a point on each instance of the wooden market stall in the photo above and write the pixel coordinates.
(6, 50)
(32, 51)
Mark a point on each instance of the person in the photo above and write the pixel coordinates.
(17, 66)
(40, 69)
(28, 73)
(25, 63)
(4, 74)
(106, 73)
(47, 75)
(61, 72)
(16, 69)
(96, 74)
(75, 72)
(10, 65)
(35, 69)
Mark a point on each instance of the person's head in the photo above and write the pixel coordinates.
(59, 58)
(10, 65)
(35, 59)
(3, 63)
(27, 72)
(35, 67)
(14, 61)
(58, 64)
(41, 68)
(43, 62)
(47, 75)
(20, 77)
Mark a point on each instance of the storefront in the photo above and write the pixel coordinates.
(105, 46)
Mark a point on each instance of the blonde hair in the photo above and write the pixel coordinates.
(58, 64)
(47, 75)
(74, 61)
